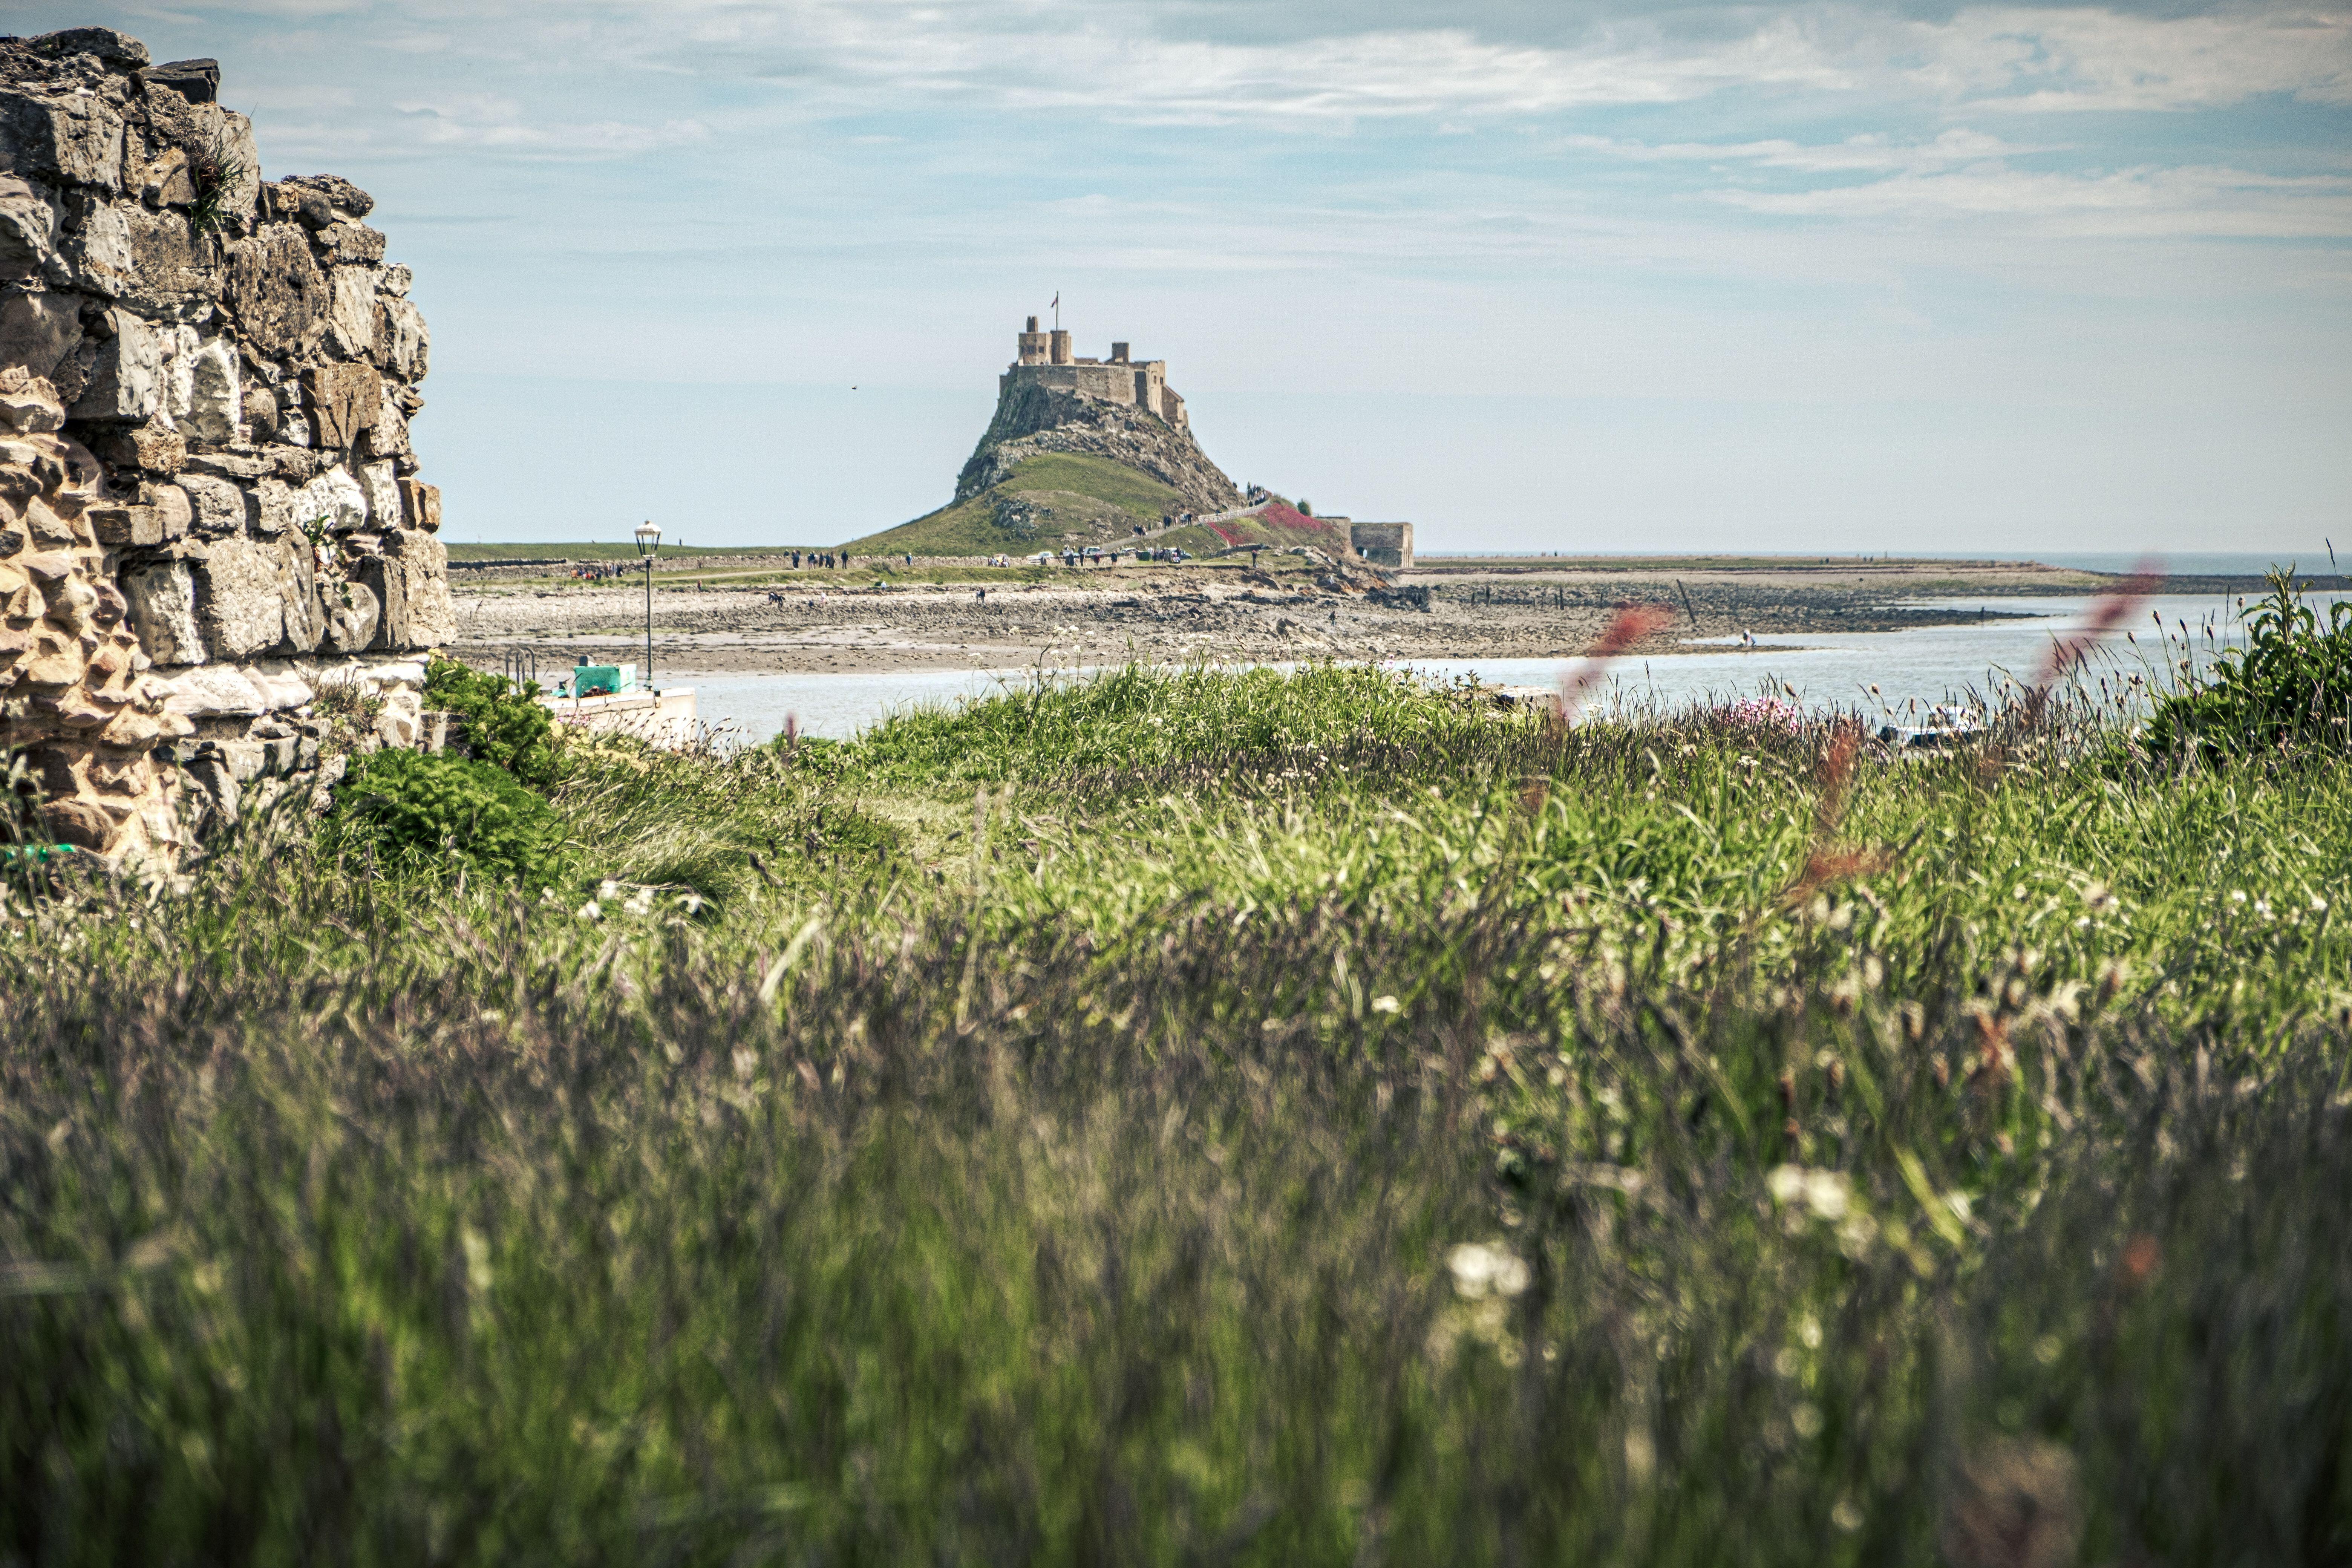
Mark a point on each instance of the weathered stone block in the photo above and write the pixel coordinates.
(276, 290)
(297, 592)
(29, 406)
(169, 275)
(28, 229)
(353, 614)
(174, 510)
(388, 436)
(339, 195)
(95, 255)
(114, 48)
(260, 412)
(215, 691)
(162, 596)
(420, 505)
(335, 499)
(155, 447)
(68, 137)
(198, 81)
(215, 401)
(37, 330)
(295, 465)
(223, 509)
(351, 312)
(343, 400)
(237, 599)
(352, 244)
(126, 379)
(402, 346)
(381, 486)
(273, 506)
(126, 525)
(243, 467)
(423, 562)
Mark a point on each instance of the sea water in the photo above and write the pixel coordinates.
(1912, 669)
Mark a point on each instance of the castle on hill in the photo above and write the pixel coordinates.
(1044, 360)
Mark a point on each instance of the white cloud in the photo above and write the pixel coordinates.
(1868, 152)
(1116, 60)
(492, 121)
(2141, 203)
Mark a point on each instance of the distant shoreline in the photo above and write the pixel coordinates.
(734, 614)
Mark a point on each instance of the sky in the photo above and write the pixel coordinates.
(1573, 275)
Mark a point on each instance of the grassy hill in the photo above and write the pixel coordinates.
(1278, 527)
(1050, 501)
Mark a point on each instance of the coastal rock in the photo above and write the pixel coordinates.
(1032, 419)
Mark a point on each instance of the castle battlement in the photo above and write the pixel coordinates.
(1044, 360)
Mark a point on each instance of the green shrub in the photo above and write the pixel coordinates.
(506, 726)
(416, 810)
(2292, 683)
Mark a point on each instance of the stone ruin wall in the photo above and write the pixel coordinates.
(209, 503)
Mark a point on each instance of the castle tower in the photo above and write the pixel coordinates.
(1036, 347)
(1061, 351)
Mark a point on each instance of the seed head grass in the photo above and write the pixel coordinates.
(1186, 1117)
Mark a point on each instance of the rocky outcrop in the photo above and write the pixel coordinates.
(206, 381)
(1032, 419)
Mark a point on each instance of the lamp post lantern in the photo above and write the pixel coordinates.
(648, 540)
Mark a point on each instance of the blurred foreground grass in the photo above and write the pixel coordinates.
(1211, 1118)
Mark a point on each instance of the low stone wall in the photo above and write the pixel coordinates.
(205, 384)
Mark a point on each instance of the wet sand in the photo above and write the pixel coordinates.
(1205, 611)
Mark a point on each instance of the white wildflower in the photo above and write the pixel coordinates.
(1482, 1268)
(1828, 1195)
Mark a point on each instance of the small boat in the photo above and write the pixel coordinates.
(1948, 725)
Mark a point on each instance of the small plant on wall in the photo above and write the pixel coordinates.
(328, 560)
(214, 170)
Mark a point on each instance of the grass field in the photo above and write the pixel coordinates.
(1204, 1117)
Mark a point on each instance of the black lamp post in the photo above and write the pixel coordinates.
(648, 540)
